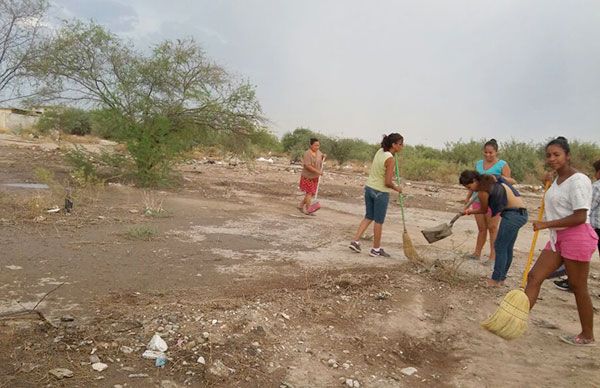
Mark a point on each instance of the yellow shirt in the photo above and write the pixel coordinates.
(376, 178)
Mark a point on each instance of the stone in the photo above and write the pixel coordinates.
(220, 369)
(61, 373)
(409, 371)
(99, 366)
(94, 359)
(201, 360)
(138, 375)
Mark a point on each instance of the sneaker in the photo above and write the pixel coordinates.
(562, 285)
(355, 246)
(558, 273)
(379, 253)
(577, 340)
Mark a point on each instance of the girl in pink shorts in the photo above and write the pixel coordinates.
(572, 239)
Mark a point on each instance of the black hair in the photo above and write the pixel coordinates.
(492, 143)
(390, 139)
(562, 143)
(313, 140)
(485, 180)
(596, 165)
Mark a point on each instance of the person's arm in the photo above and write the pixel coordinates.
(469, 195)
(483, 200)
(578, 217)
(389, 175)
(506, 174)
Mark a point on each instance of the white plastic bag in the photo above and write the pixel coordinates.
(157, 343)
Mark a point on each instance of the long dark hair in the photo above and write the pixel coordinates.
(492, 143)
(390, 139)
(562, 143)
(485, 181)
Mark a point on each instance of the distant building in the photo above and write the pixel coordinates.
(15, 119)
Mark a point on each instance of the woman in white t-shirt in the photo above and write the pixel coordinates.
(572, 239)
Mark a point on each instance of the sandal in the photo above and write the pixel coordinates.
(576, 340)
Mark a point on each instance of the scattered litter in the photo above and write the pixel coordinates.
(261, 159)
(13, 267)
(126, 349)
(99, 366)
(157, 343)
(285, 316)
(61, 373)
(55, 209)
(409, 371)
(152, 354)
(161, 361)
(39, 219)
(67, 318)
(201, 360)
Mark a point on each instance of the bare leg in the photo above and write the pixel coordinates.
(578, 272)
(492, 227)
(377, 229)
(546, 263)
(306, 202)
(481, 233)
(364, 224)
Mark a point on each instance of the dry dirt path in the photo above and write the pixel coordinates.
(267, 296)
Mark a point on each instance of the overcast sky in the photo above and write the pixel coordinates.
(435, 71)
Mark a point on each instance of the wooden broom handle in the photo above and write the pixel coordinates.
(534, 241)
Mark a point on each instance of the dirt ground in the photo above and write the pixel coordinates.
(231, 272)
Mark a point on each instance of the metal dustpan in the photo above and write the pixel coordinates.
(441, 231)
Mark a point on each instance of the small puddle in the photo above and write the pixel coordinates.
(32, 186)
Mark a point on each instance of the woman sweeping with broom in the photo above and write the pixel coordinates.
(572, 242)
(377, 192)
(572, 239)
(312, 169)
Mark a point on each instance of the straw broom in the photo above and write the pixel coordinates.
(409, 250)
(510, 320)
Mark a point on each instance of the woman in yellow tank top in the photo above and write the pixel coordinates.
(377, 193)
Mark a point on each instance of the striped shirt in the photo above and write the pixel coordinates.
(595, 208)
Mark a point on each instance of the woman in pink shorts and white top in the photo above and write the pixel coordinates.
(572, 239)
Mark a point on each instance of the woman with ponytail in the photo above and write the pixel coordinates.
(505, 202)
(377, 192)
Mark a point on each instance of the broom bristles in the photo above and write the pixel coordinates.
(409, 249)
(510, 320)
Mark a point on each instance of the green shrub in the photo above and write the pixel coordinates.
(73, 121)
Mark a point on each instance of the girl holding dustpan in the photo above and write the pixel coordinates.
(505, 201)
(312, 170)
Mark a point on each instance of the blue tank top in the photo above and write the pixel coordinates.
(496, 169)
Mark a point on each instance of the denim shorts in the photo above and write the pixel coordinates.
(376, 203)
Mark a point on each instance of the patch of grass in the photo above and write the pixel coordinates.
(153, 205)
(145, 233)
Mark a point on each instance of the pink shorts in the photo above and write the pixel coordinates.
(477, 206)
(575, 243)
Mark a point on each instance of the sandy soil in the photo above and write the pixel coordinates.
(233, 273)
